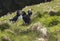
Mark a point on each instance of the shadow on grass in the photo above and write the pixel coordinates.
(4, 26)
(52, 13)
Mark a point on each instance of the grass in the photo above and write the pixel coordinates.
(19, 32)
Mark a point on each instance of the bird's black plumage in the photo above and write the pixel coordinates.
(25, 17)
(16, 17)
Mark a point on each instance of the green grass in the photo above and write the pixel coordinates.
(19, 32)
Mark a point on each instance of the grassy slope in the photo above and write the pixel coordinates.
(19, 32)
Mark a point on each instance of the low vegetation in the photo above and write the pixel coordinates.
(41, 13)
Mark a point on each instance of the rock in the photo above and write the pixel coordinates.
(43, 32)
(36, 26)
(40, 28)
(41, 39)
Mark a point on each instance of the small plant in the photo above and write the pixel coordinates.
(53, 22)
(58, 13)
(39, 14)
(52, 13)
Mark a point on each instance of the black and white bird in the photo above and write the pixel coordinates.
(14, 19)
(26, 18)
(30, 12)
